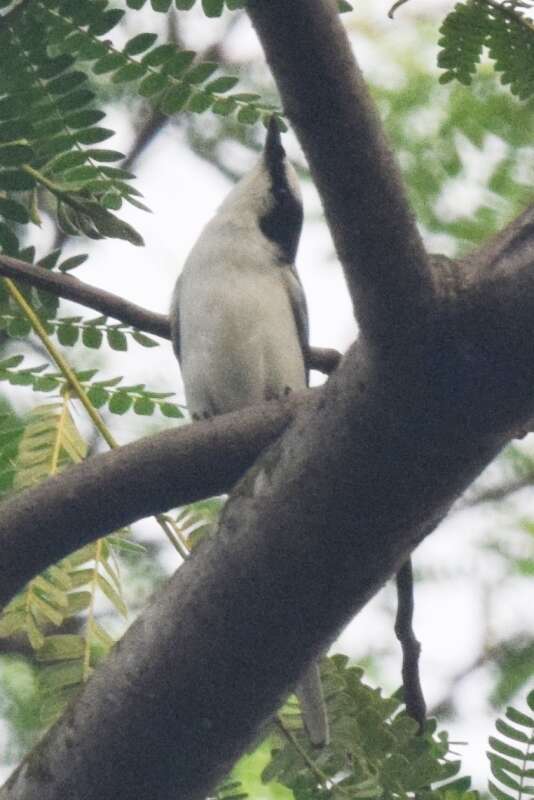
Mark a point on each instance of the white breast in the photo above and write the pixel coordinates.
(238, 338)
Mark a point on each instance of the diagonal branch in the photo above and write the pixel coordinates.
(329, 512)
(326, 100)
(323, 359)
(72, 288)
(109, 491)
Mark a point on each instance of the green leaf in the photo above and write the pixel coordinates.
(137, 4)
(159, 55)
(248, 115)
(171, 410)
(80, 174)
(8, 240)
(15, 180)
(12, 155)
(12, 362)
(184, 5)
(161, 5)
(520, 719)
(66, 82)
(11, 209)
(505, 749)
(117, 340)
(73, 262)
(144, 406)
(213, 8)
(152, 84)
(120, 403)
(98, 396)
(66, 161)
(54, 703)
(61, 647)
(109, 62)
(111, 226)
(130, 72)
(92, 337)
(45, 384)
(85, 118)
(67, 335)
(200, 102)
(180, 61)
(175, 99)
(511, 732)
(11, 622)
(224, 106)
(78, 602)
(144, 340)
(55, 66)
(221, 85)
(106, 21)
(93, 135)
(104, 155)
(76, 100)
(201, 72)
(60, 675)
(140, 43)
(26, 254)
(112, 595)
(19, 328)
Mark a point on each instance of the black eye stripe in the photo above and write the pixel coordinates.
(283, 222)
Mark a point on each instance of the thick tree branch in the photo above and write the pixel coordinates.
(108, 491)
(328, 104)
(323, 359)
(333, 508)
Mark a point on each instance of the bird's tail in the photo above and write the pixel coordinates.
(312, 705)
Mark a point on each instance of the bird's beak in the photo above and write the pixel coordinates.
(274, 151)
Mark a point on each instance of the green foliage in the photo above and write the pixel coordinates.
(434, 129)
(503, 29)
(211, 8)
(49, 126)
(50, 134)
(108, 392)
(49, 443)
(511, 755)
(375, 750)
(19, 703)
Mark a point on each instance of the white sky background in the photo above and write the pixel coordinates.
(183, 191)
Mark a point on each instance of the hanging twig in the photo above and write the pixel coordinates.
(411, 649)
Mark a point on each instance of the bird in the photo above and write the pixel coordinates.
(239, 319)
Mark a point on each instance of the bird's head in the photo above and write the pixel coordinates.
(269, 197)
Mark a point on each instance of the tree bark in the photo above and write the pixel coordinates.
(440, 379)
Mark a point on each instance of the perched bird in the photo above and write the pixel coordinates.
(239, 320)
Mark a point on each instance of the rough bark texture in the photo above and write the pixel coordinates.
(105, 493)
(441, 378)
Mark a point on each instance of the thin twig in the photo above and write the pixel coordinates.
(411, 649)
(322, 359)
(72, 288)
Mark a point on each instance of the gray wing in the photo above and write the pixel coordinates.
(174, 318)
(297, 298)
